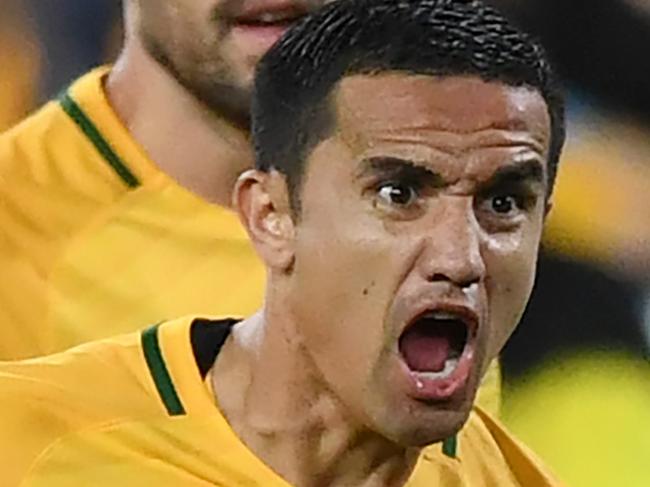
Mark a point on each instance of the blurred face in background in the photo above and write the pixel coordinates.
(212, 46)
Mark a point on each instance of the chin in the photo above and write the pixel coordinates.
(434, 425)
(448, 426)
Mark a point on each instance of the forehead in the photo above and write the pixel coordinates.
(447, 113)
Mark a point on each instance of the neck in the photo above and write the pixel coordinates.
(198, 148)
(274, 399)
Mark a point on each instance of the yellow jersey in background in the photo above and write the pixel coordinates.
(96, 241)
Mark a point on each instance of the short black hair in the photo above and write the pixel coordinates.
(291, 110)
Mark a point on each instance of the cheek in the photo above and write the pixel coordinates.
(193, 36)
(344, 274)
(511, 274)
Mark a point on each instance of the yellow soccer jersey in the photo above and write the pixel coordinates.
(135, 410)
(96, 241)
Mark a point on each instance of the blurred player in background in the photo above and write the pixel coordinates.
(398, 203)
(115, 197)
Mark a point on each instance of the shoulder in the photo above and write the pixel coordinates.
(26, 142)
(50, 398)
(54, 183)
(53, 180)
(57, 147)
(106, 377)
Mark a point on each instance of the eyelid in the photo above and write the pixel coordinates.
(415, 187)
(527, 188)
(390, 168)
(414, 183)
(524, 203)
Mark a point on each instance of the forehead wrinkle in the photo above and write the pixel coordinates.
(455, 144)
(411, 109)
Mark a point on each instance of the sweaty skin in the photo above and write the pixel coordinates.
(429, 191)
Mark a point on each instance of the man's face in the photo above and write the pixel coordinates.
(416, 245)
(212, 46)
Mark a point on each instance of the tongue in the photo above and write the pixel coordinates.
(425, 352)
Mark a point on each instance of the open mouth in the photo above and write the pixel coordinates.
(433, 344)
(436, 347)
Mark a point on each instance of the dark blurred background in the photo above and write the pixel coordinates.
(576, 382)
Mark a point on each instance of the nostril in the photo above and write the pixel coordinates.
(463, 282)
(438, 277)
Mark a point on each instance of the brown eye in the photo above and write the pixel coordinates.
(504, 204)
(397, 194)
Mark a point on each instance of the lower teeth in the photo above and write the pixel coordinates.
(450, 366)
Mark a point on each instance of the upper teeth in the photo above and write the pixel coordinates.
(443, 315)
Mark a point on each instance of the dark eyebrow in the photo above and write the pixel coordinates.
(400, 169)
(529, 170)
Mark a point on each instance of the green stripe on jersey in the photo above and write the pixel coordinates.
(159, 372)
(74, 111)
(450, 446)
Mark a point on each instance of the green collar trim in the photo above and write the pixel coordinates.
(450, 446)
(159, 372)
(90, 130)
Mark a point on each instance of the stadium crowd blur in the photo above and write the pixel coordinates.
(576, 373)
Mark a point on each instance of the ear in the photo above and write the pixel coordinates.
(262, 201)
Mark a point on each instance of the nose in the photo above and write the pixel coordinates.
(451, 249)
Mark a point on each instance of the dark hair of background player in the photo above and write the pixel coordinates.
(291, 106)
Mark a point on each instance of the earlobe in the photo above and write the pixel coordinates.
(262, 202)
